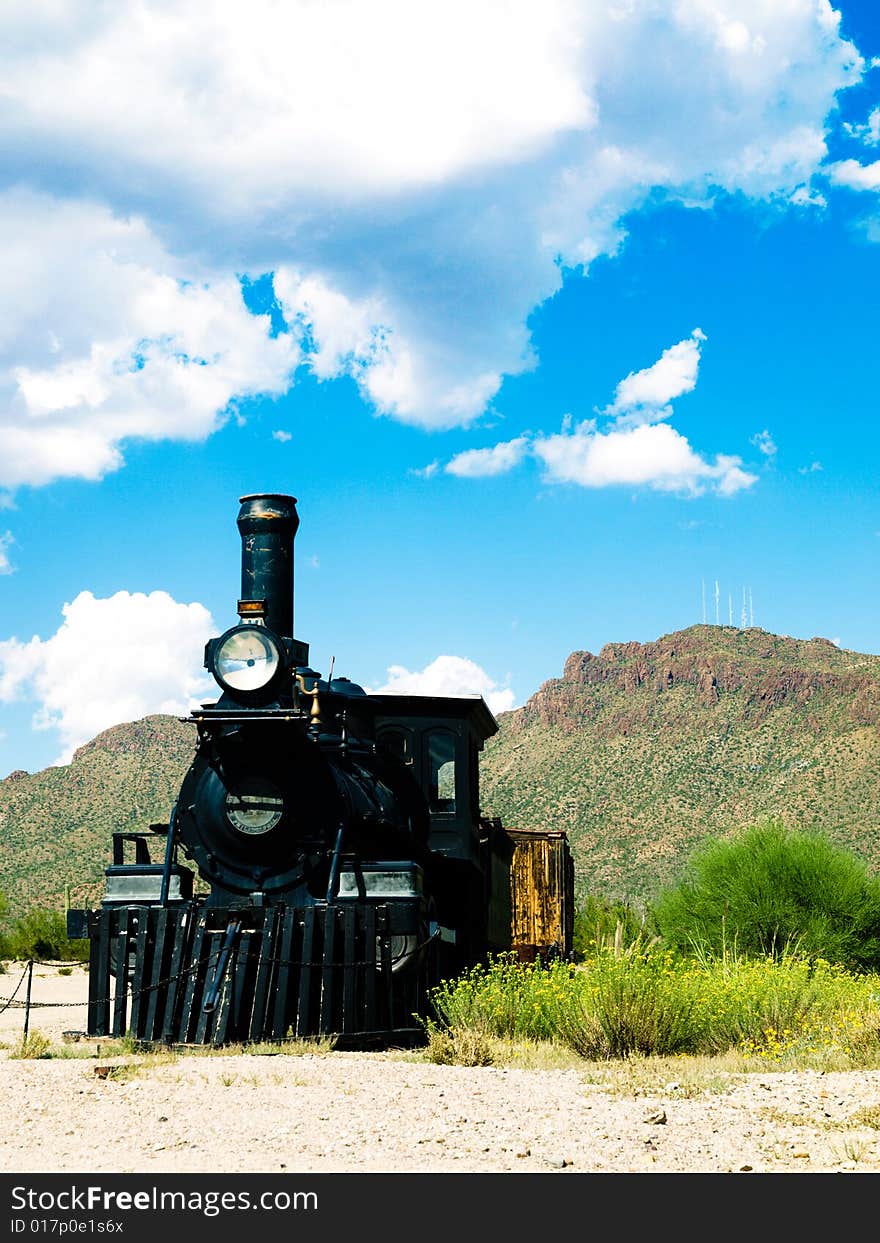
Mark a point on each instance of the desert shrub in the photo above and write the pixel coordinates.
(41, 934)
(606, 922)
(34, 1047)
(504, 998)
(772, 890)
(650, 1001)
(459, 1046)
(635, 1002)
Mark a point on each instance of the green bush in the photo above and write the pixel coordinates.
(41, 934)
(505, 998)
(772, 890)
(606, 922)
(635, 1002)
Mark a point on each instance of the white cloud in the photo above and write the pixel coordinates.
(855, 176)
(652, 455)
(764, 443)
(807, 196)
(415, 176)
(449, 675)
(6, 541)
(643, 396)
(282, 437)
(105, 337)
(111, 660)
(375, 340)
(479, 463)
(637, 447)
(811, 469)
(869, 133)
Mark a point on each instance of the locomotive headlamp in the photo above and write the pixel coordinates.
(246, 659)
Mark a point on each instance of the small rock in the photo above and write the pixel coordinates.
(806, 1155)
(672, 1087)
(658, 1118)
(558, 1163)
(746, 1169)
(525, 1152)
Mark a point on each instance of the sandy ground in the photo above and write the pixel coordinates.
(345, 1112)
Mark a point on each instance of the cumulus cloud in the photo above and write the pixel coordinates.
(637, 447)
(497, 460)
(644, 396)
(652, 455)
(361, 154)
(855, 176)
(111, 660)
(449, 675)
(105, 337)
(282, 437)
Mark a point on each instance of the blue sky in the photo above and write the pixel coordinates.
(546, 318)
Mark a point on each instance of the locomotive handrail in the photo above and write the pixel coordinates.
(169, 857)
(262, 714)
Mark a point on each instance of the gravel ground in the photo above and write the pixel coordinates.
(346, 1112)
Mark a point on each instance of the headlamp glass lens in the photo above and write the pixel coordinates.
(247, 659)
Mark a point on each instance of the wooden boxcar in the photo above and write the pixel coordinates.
(541, 894)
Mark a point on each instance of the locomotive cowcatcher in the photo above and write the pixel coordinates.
(343, 865)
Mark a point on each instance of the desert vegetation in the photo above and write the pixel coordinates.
(40, 934)
(767, 950)
(765, 953)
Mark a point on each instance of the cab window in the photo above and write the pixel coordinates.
(398, 742)
(441, 772)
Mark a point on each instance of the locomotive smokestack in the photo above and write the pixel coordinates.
(268, 523)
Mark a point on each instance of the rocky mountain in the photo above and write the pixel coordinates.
(641, 751)
(638, 752)
(56, 825)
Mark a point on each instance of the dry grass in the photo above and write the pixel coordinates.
(460, 1046)
(683, 1077)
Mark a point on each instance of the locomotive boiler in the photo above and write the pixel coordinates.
(326, 862)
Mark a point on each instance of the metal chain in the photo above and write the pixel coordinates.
(9, 1000)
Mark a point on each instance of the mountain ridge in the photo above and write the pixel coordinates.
(641, 751)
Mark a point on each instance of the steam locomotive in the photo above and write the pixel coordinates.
(344, 867)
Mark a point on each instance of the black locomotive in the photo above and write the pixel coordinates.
(344, 866)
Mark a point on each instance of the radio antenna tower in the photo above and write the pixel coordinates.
(730, 607)
(704, 601)
(717, 597)
(745, 616)
(751, 609)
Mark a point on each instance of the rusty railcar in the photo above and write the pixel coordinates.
(541, 894)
